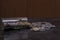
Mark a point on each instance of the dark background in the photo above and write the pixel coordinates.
(30, 8)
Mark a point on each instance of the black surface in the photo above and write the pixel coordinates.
(31, 35)
(1, 29)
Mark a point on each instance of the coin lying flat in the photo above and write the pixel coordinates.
(41, 26)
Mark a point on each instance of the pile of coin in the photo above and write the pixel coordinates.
(41, 26)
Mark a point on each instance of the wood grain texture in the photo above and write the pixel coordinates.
(30, 8)
(13, 8)
(0, 8)
(58, 8)
(41, 8)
